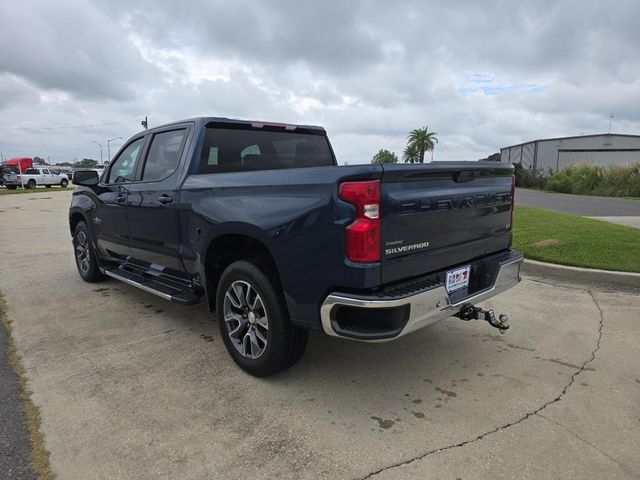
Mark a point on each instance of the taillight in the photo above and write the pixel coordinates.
(18, 177)
(364, 234)
(513, 199)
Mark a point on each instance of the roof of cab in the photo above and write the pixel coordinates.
(231, 121)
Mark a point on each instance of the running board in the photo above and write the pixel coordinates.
(168, 290)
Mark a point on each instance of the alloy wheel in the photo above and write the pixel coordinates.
(246, 319)
(82, 252)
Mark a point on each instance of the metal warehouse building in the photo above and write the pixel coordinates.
(557, 153)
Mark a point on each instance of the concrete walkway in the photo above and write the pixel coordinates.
(130, 386)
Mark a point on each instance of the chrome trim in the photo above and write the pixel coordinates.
(427, 307)
(137, 284)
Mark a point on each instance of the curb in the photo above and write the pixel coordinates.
(582, 275)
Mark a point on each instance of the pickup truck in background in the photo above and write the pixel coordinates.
(258, 219)
(32, 177)
(10, 177)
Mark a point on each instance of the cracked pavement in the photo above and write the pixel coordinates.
(133, 387)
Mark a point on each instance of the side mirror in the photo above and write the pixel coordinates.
(87, 178)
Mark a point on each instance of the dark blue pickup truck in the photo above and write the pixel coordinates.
(257, 219)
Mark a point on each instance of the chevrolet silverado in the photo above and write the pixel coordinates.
(258, 220)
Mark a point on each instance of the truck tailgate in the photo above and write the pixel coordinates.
(441, 215)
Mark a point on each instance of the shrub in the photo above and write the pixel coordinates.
(587, 179)
(559, 183)
(529, 178)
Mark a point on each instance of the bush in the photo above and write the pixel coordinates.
(529, 178)
(587, 179)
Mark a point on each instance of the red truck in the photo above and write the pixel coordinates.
(21, 162)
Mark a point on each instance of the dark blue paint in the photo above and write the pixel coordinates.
(296, 215)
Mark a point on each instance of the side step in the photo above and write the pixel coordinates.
(157, 285)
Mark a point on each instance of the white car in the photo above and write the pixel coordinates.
(32, 177)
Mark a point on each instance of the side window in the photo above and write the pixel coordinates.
(44, 170)
(123, 168)
(164, 155)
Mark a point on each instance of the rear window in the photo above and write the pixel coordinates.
(32, 171)
(238, 150)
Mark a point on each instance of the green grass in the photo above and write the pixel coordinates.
(17, 191)
(580, 242)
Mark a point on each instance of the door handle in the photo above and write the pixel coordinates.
(164, 198)
(120, 198)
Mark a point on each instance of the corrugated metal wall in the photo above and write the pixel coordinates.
(547, 155)
(603, 159)
(514, 155)
(527, 154)
(559, 153)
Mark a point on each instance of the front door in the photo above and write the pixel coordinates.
(47, 176)
(109, 218)
(152, 204)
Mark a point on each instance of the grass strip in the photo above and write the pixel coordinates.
(576, 241)
(39, 453)
(19, 191)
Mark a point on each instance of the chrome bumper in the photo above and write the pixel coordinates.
(426, 307)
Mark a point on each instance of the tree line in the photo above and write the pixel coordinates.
(419, 142)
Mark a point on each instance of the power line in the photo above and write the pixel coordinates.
(64, 127)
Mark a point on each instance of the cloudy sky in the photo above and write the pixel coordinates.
(481, 74)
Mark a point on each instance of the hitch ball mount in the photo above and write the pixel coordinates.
(469, 312)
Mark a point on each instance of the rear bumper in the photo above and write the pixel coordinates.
(399, 310)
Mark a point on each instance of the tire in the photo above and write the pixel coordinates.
(85, 255)
(12, 187)
(64, 182)
(31, 184)
(284, 342)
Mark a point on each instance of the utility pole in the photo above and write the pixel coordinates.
(109, 147)
(145, 123)
(100, 150)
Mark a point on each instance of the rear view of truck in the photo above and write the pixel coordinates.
(441, 234)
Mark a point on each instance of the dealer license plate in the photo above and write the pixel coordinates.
(458, 278)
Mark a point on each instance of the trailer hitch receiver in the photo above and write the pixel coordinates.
(469, 312)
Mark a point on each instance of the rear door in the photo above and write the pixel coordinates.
(153, 203)
(440, 215)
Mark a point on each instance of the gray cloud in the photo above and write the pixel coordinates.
(482, 74)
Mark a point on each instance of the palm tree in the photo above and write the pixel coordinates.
(411, 154)
(423, 140)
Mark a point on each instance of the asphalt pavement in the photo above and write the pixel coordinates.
(131, 386)
(582, 205)
(15, 447)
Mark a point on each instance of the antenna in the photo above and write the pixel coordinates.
(611, 115)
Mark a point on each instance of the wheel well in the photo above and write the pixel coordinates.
(75, 219)
(227, 249)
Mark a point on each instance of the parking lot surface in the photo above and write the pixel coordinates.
(130, 386)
